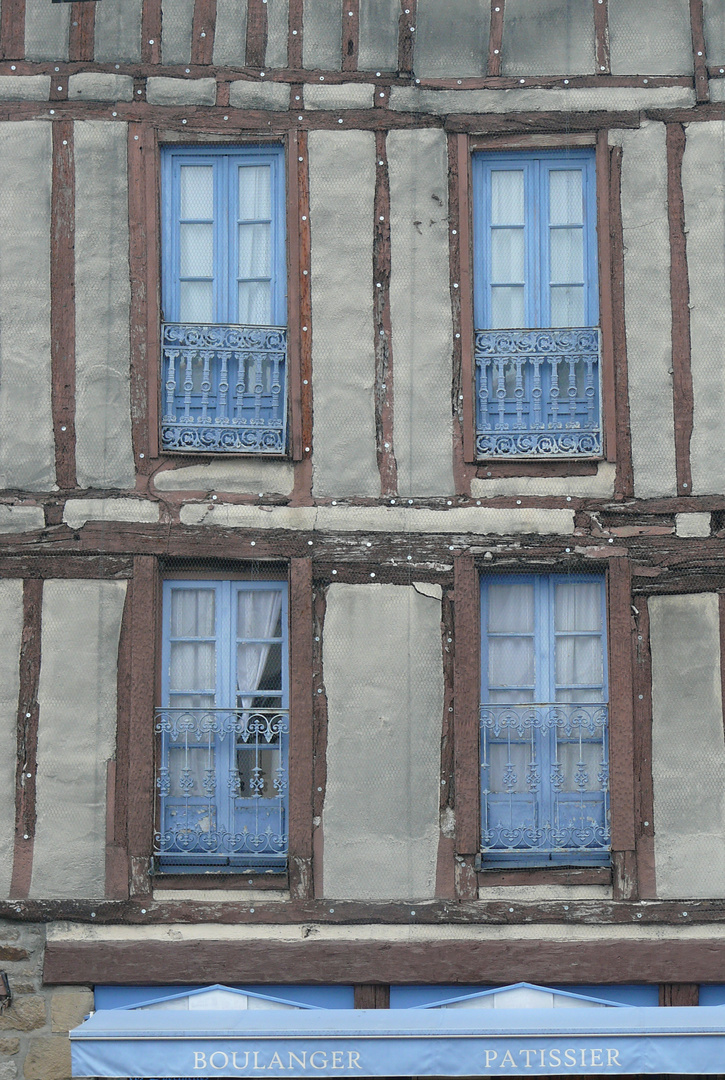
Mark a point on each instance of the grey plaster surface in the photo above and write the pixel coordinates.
(654, 46)
(104, 456)
(76, 735)
(27, 456)
(382, 672)
(647, 309)
(11, 628)
(378, 40)
(247, 477)
(550, 37)
(601, 485)
(451, 39)
(46, 30)
(244, 94)
(586, 99)
(717, 89)
(19, 519)
(420, 311)
(24, 87)
(176, 22)
(338, 96)
(714, 11)
(100, 86)
(277, 33)
(118, 30)
(688, 751)
(164, 91)
(322, 42)
(342, 192)
(77, 512)
(703, 185)
(692, 524)
(230, 35)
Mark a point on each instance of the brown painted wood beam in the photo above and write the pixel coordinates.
(256, 33)
(350, 34)
(624, 478)
(202, 31)
(82, 32)
(150, 33)
(296, 31)
(301, 746)
(682, 389)
(699, 52)
(12, 30)
(406, 36)
(302, 415)
(62, 303)
(382, 325)
(644, 787)
(465, 716)
(495, 37)
(601, 36)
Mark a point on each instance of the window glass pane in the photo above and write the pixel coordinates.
(507, 307)
(259, 667)
(258, 614)
(507, 197)
(197, 192)
(511, 608)
(511, 661)
(255, 192)
(193, 665)
(192, 612)
(508, 768)
(578, 660)
(565, 197)
(567, 305)
(579, 696)
(187, 766)
(507, 255)
(578, 606)
(196, 243)
(254, 251)
(257, 765)
(196, 302)
(567, 255)
(580, 766)
(255, 303)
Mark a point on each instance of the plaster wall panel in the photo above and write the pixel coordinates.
(118, 30)
(378, 41)
(342, 196)
(247, 94)
(11, 629)
(575, 99)
(322, 41)
(339, 96)
(76, 735)
(383, 678)
(24, 87)
(46, 30)
(551, 37)
(100, 86)
(714, 12)
(451, 39)
(688, 751)
(177, 17)
(703, 185)
(104, 456)
(27, 457)
(647, 309)
(278, 33)
(230, 35)
(248, 477)
(654, 46)
(420, 308)
(163, 91)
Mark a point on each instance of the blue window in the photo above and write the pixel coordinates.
(223, 726)
(224, 341)
(536, 306)
(544, 721)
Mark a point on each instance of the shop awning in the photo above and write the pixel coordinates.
(406, 1042)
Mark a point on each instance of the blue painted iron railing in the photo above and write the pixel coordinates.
(224, 388)
(538, 393)
(222, 785)
(544, 782)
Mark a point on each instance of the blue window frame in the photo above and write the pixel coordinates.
(544, 721)
(536, 305)
(224, 339)
(223, 726)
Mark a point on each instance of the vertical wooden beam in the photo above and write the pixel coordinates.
(721, 610)
(62, 303)
(621, 719)
(372, 996)
(465, 279)
(350, 34)
(142, 699)
(301, 748)
(466, 676)
(319, 778)
(294, 275)
(27, 746)
(151, 32)
(604, 246)
(445, 887)
(302, 494)
(406, 36)
(679, 994)
(202, 31)
(601, 36)
(643, 752)
(12, 30)
(256, 33)
(495, 37)
(699, 52)
(683, 398)
(294, 47)
(384, 387)
(81, 39)
(624, 480)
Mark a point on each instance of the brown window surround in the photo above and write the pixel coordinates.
(145, 140)
(135, 775)
(467, 144)
(467, 681)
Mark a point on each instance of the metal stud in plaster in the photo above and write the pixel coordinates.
(300, 118)
(334, 572)
(253, 543)
(309, 543)
(410, 558)
(372, 575)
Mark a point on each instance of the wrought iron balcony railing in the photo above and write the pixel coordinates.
(224, 388)
(538, 393)
(222, 785)
(544, 781)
